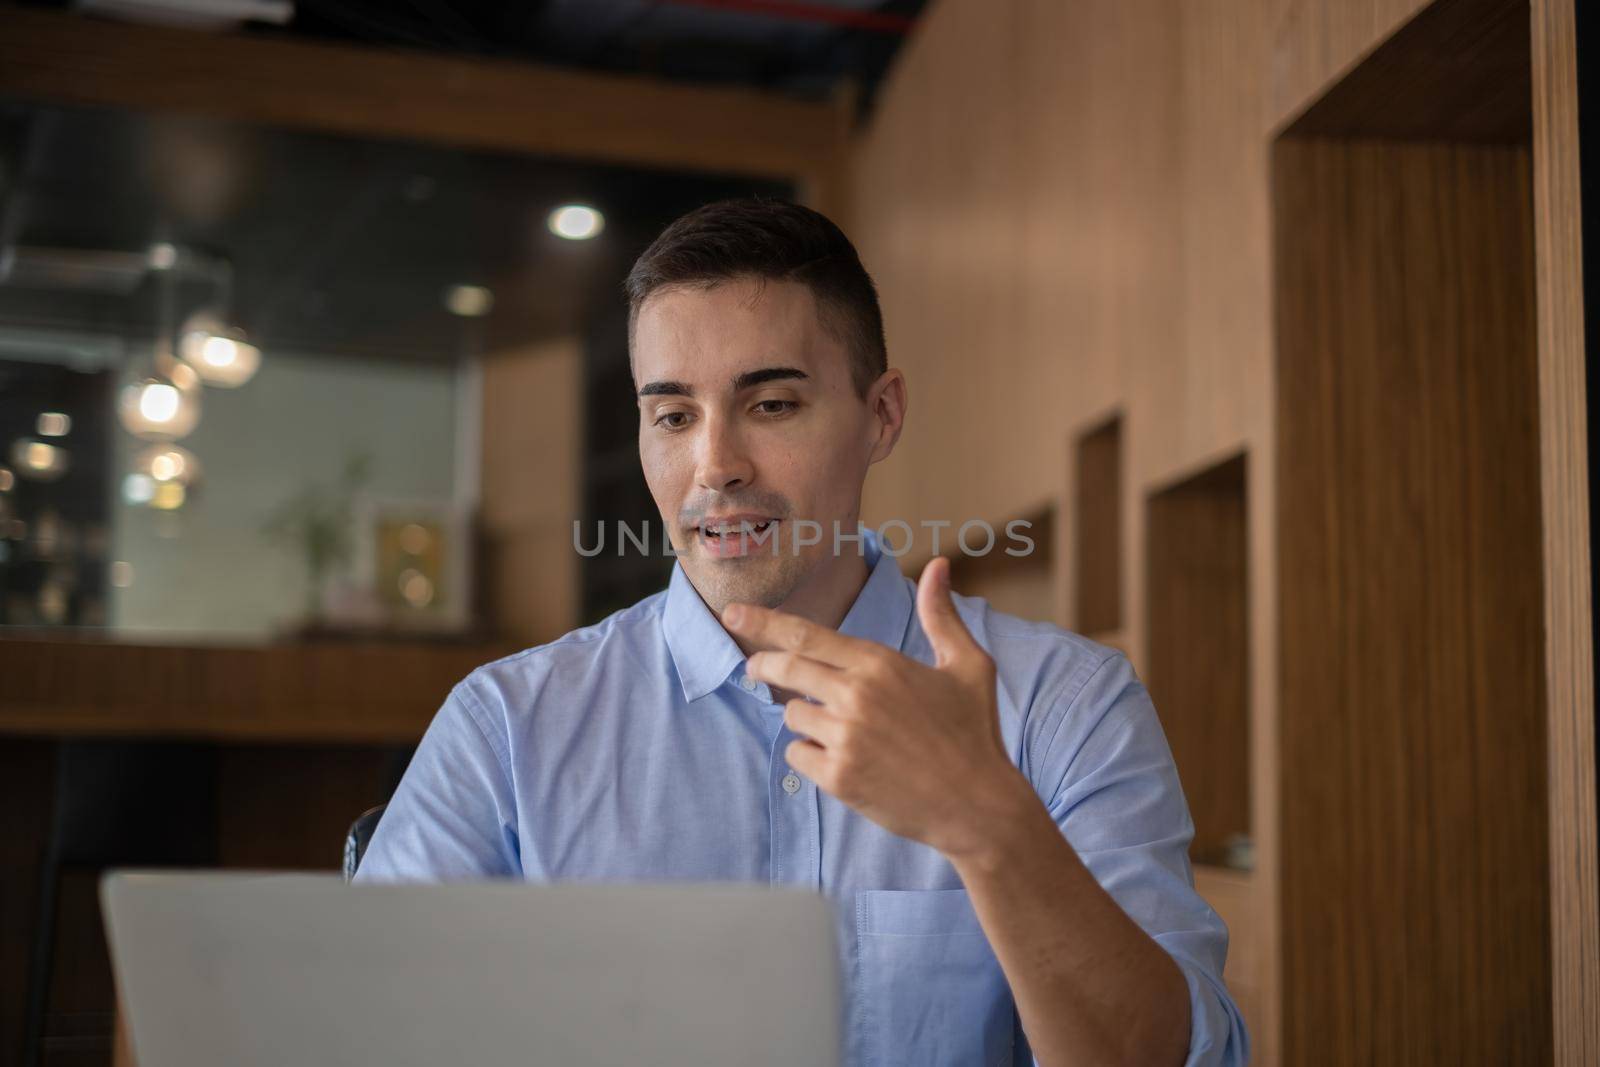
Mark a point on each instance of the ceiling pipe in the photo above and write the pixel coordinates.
(800, 11)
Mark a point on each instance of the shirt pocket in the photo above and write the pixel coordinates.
(930, 989)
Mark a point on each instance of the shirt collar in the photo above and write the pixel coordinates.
(705, 654)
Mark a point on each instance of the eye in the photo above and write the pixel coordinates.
(777, 407)
(673, 420)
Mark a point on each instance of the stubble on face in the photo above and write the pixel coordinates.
(774, 565)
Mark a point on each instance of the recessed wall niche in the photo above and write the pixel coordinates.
(1017, 585)
(1197, 667)
(1097, 544)
(1413, 827)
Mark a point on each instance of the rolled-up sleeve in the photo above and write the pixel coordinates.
(1110, 783)
(453, 815)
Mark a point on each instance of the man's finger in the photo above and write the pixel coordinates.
(813, 721)
(790, 670)
(946, 632)
(767, 628)
(806, 757)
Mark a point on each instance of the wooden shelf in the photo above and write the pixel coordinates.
(1198, 590)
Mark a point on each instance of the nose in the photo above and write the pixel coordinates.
(722, 464)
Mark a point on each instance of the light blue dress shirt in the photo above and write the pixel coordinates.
(637, 750)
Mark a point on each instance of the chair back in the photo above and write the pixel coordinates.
(360, 835)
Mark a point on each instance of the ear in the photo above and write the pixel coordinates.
(887, 401)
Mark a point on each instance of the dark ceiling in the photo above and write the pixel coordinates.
(799, 47)
(802, 47)
(337, 245)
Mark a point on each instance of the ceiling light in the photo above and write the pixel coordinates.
(219, 354)
(470, 301)
(54, 424)
(157, 410)
(576, 222)
(162, 256)
(227, 360)
(159, 402)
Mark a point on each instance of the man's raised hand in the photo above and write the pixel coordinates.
(915, 748)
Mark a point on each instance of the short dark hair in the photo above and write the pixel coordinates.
(767, 239)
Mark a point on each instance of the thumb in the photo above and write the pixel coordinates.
(946, 632)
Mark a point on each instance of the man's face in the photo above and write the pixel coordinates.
(749, 422)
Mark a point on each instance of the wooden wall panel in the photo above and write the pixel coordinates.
(1414, 854)
(532, 430)
(1569, 637)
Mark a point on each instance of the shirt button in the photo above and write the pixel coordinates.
(791, 783)
(748, 684)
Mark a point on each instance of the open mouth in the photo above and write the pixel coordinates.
(737, 537)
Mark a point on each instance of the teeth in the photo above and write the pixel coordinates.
(719, 529)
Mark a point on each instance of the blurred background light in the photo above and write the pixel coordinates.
(468, 301)
(138, 488)
(415, 538)
(576, 222)
(54, 424)
(157, 410)
(221, 355)
(168, 463)
(37, 460)
(227, 360)
(416, 588)
(169, 496)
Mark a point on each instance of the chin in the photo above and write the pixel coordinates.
(766, 582)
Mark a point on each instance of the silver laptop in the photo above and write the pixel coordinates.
(253, 969)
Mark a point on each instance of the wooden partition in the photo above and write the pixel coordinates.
(1415, 922)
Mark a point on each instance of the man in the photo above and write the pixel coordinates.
(990, 802)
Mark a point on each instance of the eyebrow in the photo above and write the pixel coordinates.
(740, 382)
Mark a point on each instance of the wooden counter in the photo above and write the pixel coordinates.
(325, 692)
